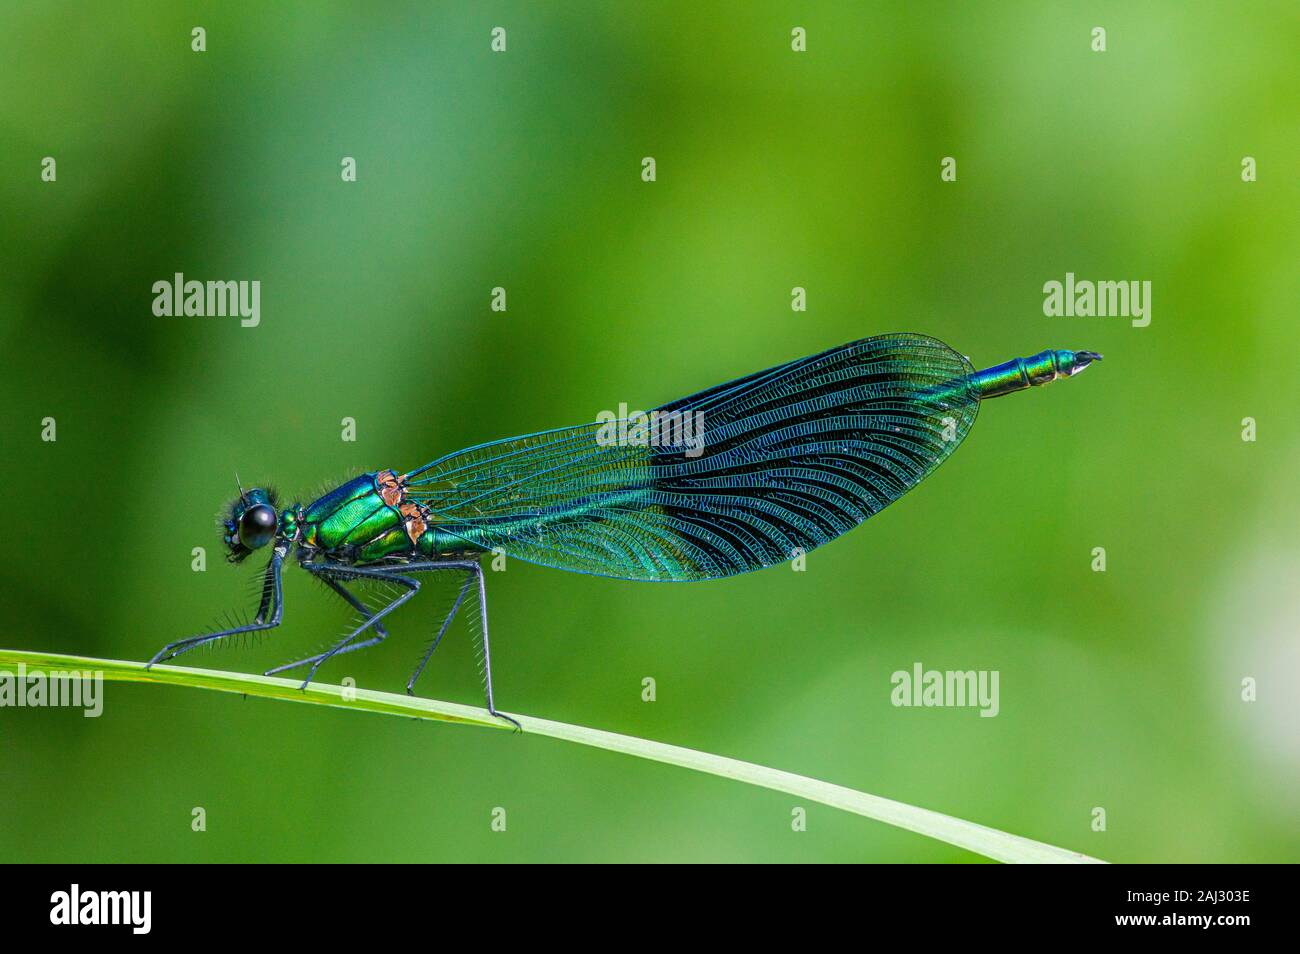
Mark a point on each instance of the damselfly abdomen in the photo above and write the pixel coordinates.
(739, 477)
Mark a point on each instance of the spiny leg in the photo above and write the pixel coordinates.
(476, 571)
(424, 661)
(264, 606)
(412, 587)
(487, 652)
(272, 598)
(355, 603)
(326, 574)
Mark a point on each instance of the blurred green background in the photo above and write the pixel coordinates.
(775, 169)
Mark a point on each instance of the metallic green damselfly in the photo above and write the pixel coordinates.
(739, 477)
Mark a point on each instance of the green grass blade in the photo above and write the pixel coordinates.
(990, 842)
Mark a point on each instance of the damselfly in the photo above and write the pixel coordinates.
(736, 478)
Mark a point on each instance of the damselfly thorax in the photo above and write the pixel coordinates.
(782, 461)
(371, 519)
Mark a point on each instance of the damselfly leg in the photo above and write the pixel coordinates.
(475, 573)
(272, 601)
(330, 572)
(326, 573)
(398, 574)
(470, 576)
(356, 604)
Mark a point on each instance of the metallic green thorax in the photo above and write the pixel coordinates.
(1021, 373)
(354, 523)
(351, 516)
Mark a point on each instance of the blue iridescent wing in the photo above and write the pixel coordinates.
(783, 460)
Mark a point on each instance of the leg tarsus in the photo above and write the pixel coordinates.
(502, 715)
(378, 638)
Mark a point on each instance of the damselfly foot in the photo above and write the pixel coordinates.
(502, 715)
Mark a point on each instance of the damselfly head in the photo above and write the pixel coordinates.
(252, 522)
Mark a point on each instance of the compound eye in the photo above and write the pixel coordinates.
(257, 526)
